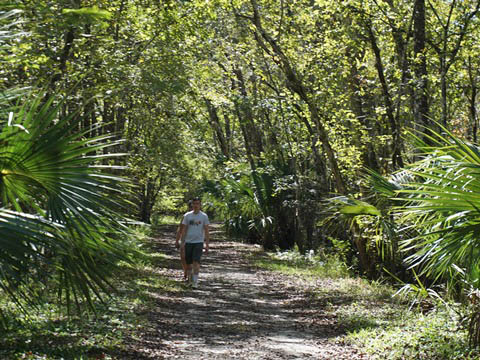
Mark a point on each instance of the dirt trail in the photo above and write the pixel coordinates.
(238, 312)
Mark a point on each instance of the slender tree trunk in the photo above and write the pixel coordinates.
(420, 110)
(473, 100)
(397, 160)
(357, 104)
(253, 133)
(117, 22)
(366, 263)
(402, 37)
(320, 165)
(150, 191)
(228, 132)
(295, 85)
(66, 51)
(443, 86)
(217, 128)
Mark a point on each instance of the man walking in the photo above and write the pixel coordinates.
(195, 228)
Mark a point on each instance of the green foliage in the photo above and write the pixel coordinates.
(371, 226)
(309, 265)
(410, 335)
(234, 199)
(360, 208)
(90, 15)
(60, 215)
(445, 207)
(47, 333)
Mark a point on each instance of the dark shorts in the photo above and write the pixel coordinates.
(193, 252)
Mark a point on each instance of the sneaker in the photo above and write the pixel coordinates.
(195, 284)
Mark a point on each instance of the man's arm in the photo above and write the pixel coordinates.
(180, 232)
(207, 237)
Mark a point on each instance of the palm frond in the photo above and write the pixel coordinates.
(445, 201)
(61, 212)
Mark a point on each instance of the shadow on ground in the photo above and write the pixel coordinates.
(237, 312)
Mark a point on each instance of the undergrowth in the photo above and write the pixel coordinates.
(294, 263)
(411, 335)
(48, 333)
(380, 324)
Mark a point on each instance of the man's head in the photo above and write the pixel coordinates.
(196, 204)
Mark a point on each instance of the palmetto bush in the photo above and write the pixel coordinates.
(443, 206)
(432, 206)
(244, 199)
(430, 213)
(59, 221)
(234, 199)
(371, 221)
(59, 208)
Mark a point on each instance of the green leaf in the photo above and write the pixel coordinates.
(360, 208)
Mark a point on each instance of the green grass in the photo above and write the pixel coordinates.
(47, 333)
(373, 319)
(167, 220)
(405, 334)
(293, 263)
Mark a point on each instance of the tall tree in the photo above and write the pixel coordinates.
(296, 85)
(420, 102)
(454, 25)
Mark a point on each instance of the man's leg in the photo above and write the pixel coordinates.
(196, 270)
(189, 261)
(189, 273)
(197, 254)
(184, 261)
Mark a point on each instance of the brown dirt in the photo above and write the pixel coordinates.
(238, 312)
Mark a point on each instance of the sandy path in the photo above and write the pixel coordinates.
(238, 312)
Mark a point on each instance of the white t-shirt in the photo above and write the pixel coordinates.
(195, 224)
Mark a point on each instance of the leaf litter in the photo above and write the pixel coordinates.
(238, 312)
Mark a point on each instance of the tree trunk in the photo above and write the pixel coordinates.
(397, 160)
(369, 157)
(420, 91)
(251, 130)
(320, 165)
(295, 85)
(149, 194)
(217, 128)
(472, 100)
